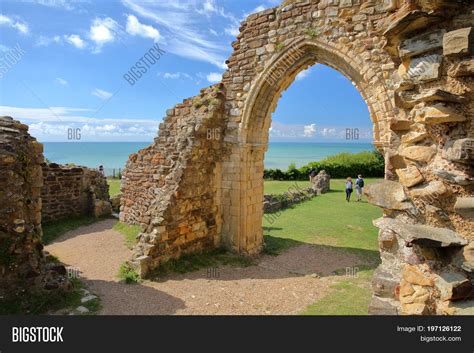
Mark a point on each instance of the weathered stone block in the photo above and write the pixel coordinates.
(422, 235)
(415, 276)
(422, 69)
(438, 114)
(433, 190)
(410, 176)
(460, 150)
(411, 98)
(419, 153)
(454, 177)
(388, 194)
(465, 207)
(453, 286)
(459, 42)
(383, 306)
(463, 68)
(413, 137)
(421, 44)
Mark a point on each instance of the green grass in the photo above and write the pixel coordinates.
(195, 262)
(130, 232)
(114, 187)
(348, 297)
(274, 187)
(328, 220)
(41, 303)
(324, 220)
(53, 230)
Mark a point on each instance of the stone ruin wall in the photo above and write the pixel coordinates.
(22, 265)
(171, 188)
(412, 61)
(73, 191)
(426, 235)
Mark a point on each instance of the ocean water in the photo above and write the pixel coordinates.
(113, 155)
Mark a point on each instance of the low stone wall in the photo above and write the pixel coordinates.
(73, 191)
(22, 264)
(320, 185)
(274, 203)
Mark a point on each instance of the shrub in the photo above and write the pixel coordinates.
(369, 164)
(128, 274)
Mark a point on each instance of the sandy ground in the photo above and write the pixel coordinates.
(283, 284)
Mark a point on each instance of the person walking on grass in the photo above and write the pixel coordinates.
(349, 189)
(312, 174)
(359, 187)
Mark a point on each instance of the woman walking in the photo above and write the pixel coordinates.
(349, 189)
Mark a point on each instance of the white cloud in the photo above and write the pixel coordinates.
(295, 132)
(52, 124)
(214, 77)
(4, 48)
(303, 74)
(135, 28)
(309, 130)
(60, 4)
(75, 40)
(17, 24)
(209, 6)
(44, 41)
(176, 75)
(184, 26)
(104, 95)
(102, 31)
(232, 31)
(61, 81)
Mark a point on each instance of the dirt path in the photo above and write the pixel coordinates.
(283, 284)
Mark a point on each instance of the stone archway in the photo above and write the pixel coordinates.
(262, 100)
(199, 185)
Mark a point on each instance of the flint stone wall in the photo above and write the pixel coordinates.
(73, 191)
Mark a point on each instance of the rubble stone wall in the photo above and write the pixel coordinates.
(412, 61)
(73, 191)
(172, 188)
(21, 180)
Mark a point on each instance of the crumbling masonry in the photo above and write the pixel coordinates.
(412, 62)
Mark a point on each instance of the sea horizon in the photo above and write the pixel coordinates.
(114, 155)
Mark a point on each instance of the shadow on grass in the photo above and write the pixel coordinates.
(275, 246)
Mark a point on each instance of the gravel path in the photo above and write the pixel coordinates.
(284, 284)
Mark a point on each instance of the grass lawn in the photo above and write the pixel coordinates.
(55, 229)
(130, 232)
(114, 187)
(328, 220)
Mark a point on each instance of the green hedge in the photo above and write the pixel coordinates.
(343, 165)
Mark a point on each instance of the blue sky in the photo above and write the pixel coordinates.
(62, 64)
